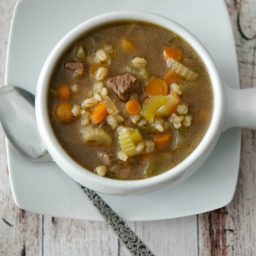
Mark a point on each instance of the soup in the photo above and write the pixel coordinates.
(130, 100)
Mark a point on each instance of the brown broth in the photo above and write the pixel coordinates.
(150, 40)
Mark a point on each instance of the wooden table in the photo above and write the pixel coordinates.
(227, 231)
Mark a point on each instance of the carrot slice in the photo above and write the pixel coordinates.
(156, 87)
(127, 45)
(99, 113)
(63, 112)
(172, 77)
(162, 140)
(174, 53)
(133, 107)
(64, 92)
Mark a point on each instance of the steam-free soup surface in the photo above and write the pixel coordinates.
(130, 100)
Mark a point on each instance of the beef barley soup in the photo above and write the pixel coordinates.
(130, 100)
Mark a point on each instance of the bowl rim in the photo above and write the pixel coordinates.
(87, 177)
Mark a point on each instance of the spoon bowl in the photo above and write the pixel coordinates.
(17, 116)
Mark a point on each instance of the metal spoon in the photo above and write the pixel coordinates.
(17, 116)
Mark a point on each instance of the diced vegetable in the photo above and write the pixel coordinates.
(135, 135)
(182, 70)
(119, 118)
(110, 106)
(99, 113)
(169, 107)
(85, 120)
(128, 139)
(156, 87)
(172, 77)
(175, 53)
(162, 140)
(127, 45)
(76, 110)
(80, 53)
(151, 105)
(64, 92)
(64, 112)
(97, 135)
(151, 167)
(133, 107)
(127, 145)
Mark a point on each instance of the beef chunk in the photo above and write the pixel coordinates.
(77, 68)
(124, 85)
(74, 65)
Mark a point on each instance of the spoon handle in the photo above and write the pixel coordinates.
(132, 242)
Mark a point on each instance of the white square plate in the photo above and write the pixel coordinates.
(43, 188)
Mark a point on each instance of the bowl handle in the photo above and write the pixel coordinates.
(240, 108)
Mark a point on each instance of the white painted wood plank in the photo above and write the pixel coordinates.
(20, 232)
(167, 237)
(231, 231)
(66, 237)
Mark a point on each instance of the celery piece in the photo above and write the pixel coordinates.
(80, 53)
(97, 135)
(150, 106)
(136, 135)
(128, 137)
(126, 144)
(169, 107)
(181, 70)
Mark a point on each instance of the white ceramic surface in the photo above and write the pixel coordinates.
(44, 188)
(123, 187)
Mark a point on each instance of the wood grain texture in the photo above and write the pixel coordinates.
(231, 230)
(20, 232)
(168, 237)
(67, 237)
(226, 232)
